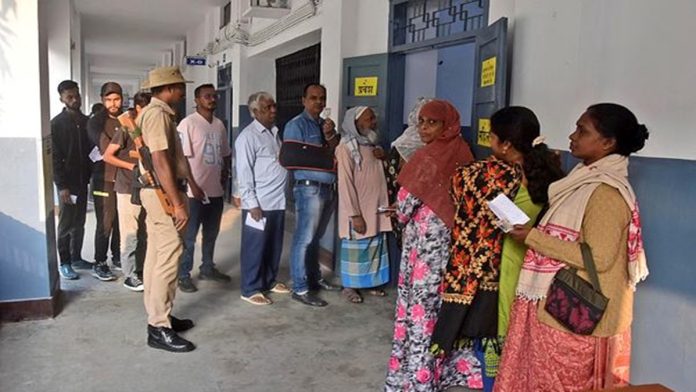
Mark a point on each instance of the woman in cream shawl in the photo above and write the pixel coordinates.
(594, 204)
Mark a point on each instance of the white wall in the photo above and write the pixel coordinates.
(569, 54)
(78, 45)
(345, 28)
(196, 39)
(59, 55)
(366, 27)
(24, 114)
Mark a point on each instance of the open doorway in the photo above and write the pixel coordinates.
(445, 73)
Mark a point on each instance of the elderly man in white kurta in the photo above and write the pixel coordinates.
(362, 206)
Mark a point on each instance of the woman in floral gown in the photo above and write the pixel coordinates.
(427, 213)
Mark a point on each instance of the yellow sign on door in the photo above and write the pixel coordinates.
(366, 86)
(484, 132)
(488, 72)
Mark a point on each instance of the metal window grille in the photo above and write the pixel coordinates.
(293, 73)
(270, 3)
(418, 21)
(226, 15)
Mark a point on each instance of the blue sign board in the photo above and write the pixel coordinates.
(192, 60)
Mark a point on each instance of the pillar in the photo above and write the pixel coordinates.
(29, 284)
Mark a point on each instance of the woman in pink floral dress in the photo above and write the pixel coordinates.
(427, 213)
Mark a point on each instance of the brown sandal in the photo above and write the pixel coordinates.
(257, 299)
(352, 295)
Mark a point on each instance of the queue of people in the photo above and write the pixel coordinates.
(485, 308)
(477, 303)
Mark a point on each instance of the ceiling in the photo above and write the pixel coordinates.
(125, 38)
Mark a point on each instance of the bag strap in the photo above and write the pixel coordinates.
(588, 260)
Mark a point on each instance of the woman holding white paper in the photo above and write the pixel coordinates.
(594, 204)
(482, 273)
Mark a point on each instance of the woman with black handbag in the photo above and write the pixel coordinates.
(571, 343)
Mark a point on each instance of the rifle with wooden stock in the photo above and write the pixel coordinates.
(148, 177)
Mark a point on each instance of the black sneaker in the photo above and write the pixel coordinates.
(186, 285)
(133, 284)
(116, 265)
(214, 274)
(102, 272)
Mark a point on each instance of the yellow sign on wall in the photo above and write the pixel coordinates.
(366, 86)
(484, 132)
(488, 72)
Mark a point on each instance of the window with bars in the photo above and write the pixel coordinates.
(293, 73)
(226, 15)
(270, 3)
(420, 21)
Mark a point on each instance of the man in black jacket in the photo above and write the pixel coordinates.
(71, 173)
(101, 128)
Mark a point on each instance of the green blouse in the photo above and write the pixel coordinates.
(511, 262)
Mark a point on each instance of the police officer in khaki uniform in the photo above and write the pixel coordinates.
(165, 246)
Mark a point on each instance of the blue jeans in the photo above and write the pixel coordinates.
(313, 208)
(208, 216)
(260, 252)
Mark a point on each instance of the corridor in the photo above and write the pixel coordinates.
(98, 342)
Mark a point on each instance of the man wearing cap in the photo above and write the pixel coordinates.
(71, 172)
(165, 246)
(101, 129)
(131, 217)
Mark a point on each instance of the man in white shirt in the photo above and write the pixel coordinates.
(262, 183)
(205, 145)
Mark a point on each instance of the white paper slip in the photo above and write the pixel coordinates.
(95, 155)
(73, 199)
(508, 213)
(255, 224)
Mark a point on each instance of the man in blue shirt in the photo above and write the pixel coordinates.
(315, 195)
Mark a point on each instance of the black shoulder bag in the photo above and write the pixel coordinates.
(574, 302)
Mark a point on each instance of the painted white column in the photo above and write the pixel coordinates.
(179, 52)
(77, 43)
(28, 267)
(59, 43)
(331, 69)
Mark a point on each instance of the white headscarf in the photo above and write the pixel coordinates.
(352, 137)
(410, 141)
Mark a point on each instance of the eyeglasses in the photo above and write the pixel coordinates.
(210, 96)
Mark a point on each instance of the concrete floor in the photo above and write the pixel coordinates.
(98, 342)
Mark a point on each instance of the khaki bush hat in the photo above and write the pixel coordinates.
(163, 76)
